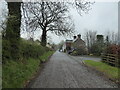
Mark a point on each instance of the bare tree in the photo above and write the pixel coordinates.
(51, 16)
(112, 37)
(90, 38)
(3, 22)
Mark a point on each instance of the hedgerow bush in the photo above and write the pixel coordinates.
(5, 50)
(28, 49)
(113, 49)
(31, 50)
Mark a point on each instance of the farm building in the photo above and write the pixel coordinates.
(77, 44)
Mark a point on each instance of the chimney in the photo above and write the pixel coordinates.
(79, 36)
(74, 37)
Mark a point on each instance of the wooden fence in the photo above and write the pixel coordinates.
(111, 59)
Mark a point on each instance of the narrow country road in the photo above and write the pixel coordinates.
(62, 71)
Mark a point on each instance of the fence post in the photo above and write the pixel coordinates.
(111, 59)
(116, 63)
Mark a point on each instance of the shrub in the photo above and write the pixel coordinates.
(113, 49)
(97, 48)
(28, 49)
(74, 53)
(81, 51)
(5, 50)
(31, 50)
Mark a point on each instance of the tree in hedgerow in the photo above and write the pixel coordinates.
(12, 31)
(51, 17)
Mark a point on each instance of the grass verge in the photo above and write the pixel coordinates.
(109, 71)
(45, 56)
(16, 74)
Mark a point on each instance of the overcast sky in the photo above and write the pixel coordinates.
(102, 17)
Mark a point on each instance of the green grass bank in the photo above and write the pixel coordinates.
(109, 71)
(16, 73)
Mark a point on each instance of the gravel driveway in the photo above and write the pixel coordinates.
(61, 71)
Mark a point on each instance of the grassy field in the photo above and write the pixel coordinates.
(16, 74)
(111, 72)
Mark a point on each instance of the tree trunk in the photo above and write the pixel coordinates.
(13, 29)
(44, 39)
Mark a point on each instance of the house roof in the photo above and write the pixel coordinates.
(75, 40)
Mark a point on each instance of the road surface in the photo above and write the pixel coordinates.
(62, 71)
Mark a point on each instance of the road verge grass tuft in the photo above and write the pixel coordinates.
(111, 72)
